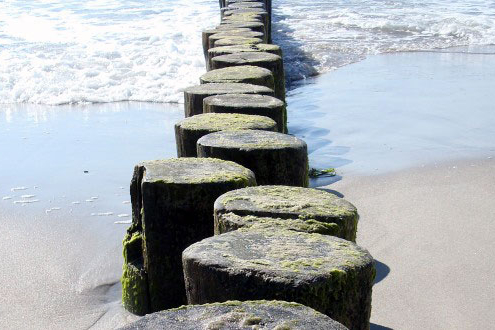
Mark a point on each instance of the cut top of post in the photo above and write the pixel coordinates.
(194, 171)
(285, 202)
(251, 139)
(283, 255)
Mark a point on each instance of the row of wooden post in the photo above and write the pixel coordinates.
(232, 218)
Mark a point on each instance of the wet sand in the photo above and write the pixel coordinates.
(431, 230)
(429, 227)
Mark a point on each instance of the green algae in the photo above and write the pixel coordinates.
(292, 203)
(213, 122)
(195, 171)
(231, 221)
(240, 74)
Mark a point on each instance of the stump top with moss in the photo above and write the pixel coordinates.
(244, 11)
(228, 88)
(224, 50)
(231, 221)
(213, 122)
(246, 58)
(243, 101)
(248, 25)
(237, 315)
(230, 41)
(280, 255)
(251, 140)
(235, 33)
(239, 74)
(194, 171)
(289, 202)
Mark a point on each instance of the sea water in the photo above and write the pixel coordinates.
(58, 52)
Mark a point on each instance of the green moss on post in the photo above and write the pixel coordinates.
(226, 50)
(329, 274)
(275, 158)
(290, 203)
(194, 96)
(247, 74)
(232, 41)
(135, 295)
(230, 221)
(231, 34)
(268, 61)
(190, 130)
(249, 104)
(175, 198)
(237, 315)
(253, 26)
(205, 35)
(251, 12)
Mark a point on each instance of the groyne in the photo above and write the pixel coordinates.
(241, 176)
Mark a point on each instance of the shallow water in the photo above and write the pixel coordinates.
(65, 207)
(395, 111)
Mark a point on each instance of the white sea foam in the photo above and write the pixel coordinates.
(56, 52)
(328, 34)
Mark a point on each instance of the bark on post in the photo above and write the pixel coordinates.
(172, 203)
(248, 104)
(237, 315)
(194, 96)
(188, 131)
(329, 274)
(290, 203)
(275, 158)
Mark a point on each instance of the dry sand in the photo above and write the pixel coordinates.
(432, 232)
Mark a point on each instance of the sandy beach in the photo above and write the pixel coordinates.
(431, 232)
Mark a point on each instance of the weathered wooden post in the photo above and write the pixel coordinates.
(188, 131)
(327, 273)
(194, 96)
(275, 158)
(249, 104)
(268, 61)
(172, 207)
(236, 315)
(289, 203)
